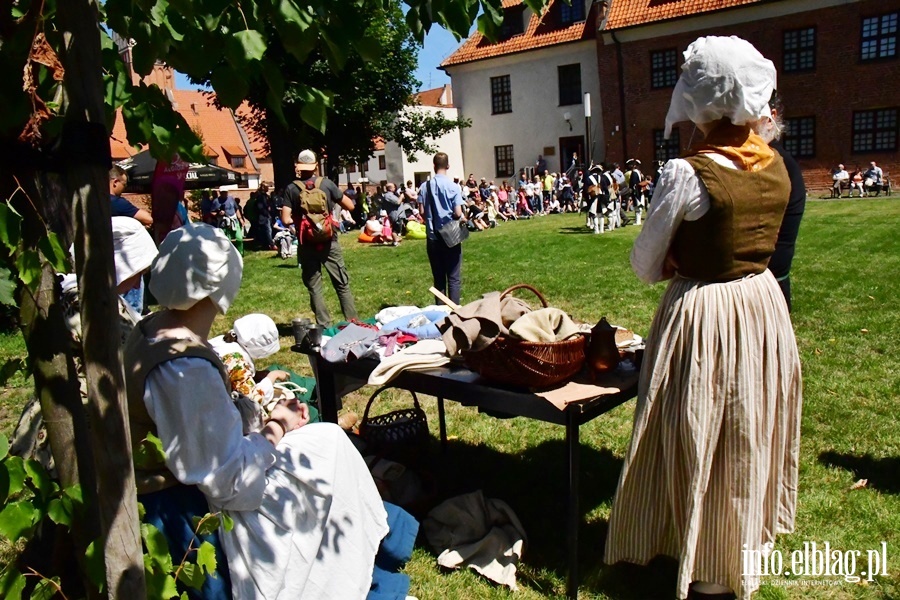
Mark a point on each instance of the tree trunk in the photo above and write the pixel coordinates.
(86, 174)
(282, 151)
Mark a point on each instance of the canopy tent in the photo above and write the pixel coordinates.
(141, 166)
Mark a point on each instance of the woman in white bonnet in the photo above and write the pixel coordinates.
(710, 474)
(307, 516)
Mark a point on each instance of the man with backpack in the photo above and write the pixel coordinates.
(309, 204)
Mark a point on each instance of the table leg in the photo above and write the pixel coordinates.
(327, 390)
(442, 421)
(573, 516)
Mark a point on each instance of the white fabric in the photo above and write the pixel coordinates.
(307, 516)
(196, 261)
(722, 77)
(258, 334)
(424, 354)
(133, 248)
(679, 196)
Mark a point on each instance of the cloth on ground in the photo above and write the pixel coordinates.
(481, 533)
(388, 583)
(421, 324)
(425, 354)
(476, 325)
(544, 325)
(352, 341)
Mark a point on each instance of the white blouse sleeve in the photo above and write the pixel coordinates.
(200, 430)
(679, 195)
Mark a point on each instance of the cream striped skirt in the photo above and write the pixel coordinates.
(711, 470)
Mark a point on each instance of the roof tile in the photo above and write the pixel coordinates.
(541, 31)
(628, 13)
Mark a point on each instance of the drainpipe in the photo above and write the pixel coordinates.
(623, 115)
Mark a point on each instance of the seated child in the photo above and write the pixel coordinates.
(347, 221)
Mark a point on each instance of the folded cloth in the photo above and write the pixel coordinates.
(424, 354)
(386, 315)
(353, 340)
(391, 340)
(420, 324)
(481, 533)
(544, 325)
(476, 325)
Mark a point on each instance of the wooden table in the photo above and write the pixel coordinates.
(461, 385)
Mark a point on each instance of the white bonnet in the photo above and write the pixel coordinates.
(258, 334)
(195, 262)
(722, 77)
(133, 248)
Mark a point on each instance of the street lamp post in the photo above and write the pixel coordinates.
(587, 129)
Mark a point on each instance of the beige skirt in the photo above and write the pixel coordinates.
(711, 471)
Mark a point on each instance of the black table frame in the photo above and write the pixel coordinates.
(461, 385)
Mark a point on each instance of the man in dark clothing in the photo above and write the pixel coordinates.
(119, 206)
(540, 166)
(312, 257)
(264, 211)
(780, 263)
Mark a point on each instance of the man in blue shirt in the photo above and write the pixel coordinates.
(119, 206)
(443, 203)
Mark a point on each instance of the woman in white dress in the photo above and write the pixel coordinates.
(307, 516)
(710, 475)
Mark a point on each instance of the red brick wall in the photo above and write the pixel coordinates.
(840, 85)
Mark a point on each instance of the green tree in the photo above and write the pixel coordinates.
(62, 79)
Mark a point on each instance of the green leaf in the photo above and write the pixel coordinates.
(74, 492)
(12, 584)
(7, 292)
(39, 477)
(149, 452)
(253, 44)
(17, 519)
(4, 441)
(207, 525)
(15, 475)
(28, 263)
(368, 48)
(227, 522)
(157, 547)
(45, 589)
(142, 512)
(95, 566)
(191, 575)
(206, 557)
(54, 253)
(61, 511)
(10, 226)
(160, 586)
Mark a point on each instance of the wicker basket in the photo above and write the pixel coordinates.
(530, 364)
(397, 431)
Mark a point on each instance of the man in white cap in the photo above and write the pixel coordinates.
(309, 204)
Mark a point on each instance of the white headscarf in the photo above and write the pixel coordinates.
(195, 262)
(133, 248)
(257, 334)
(722, 77)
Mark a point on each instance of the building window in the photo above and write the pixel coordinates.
(501, 97)
(237, 162)
(351, 168)
(503, 159)
(663, 68)
(382, 165)
(800, 136)
(666, 149)
(800, 50)
(571, 13)
(875, 130)
(879, 37)
(513, 23)
(569, 84)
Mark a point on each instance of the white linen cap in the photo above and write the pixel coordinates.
(722, 77)
(195, 262)
(133, 248)
(258, 334)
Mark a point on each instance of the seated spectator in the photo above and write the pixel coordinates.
(841, 178)
(347, 220)
(307, 516)
(373, 231)
(856, 183)
(874, 178)
(119, 206)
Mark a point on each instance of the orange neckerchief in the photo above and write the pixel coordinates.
(738, 143)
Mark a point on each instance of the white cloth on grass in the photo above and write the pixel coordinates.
(307, 516)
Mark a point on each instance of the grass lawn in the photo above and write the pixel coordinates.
(846, 290)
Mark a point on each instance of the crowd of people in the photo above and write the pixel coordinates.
(869, 182)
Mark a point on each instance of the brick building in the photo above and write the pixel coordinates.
(838, 71)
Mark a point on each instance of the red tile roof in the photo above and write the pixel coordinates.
(628, 13)
(217, 128)
(258, 144)
(541, 31)
(432, 97)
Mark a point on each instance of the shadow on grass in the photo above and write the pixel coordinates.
(576, 230)
(534, 484)
(883, 473)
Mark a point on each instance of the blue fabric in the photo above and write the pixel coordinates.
(428, 331)
(440, 197)
(120, 207)
(393, 553)
(135, 298)
(171, 512)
